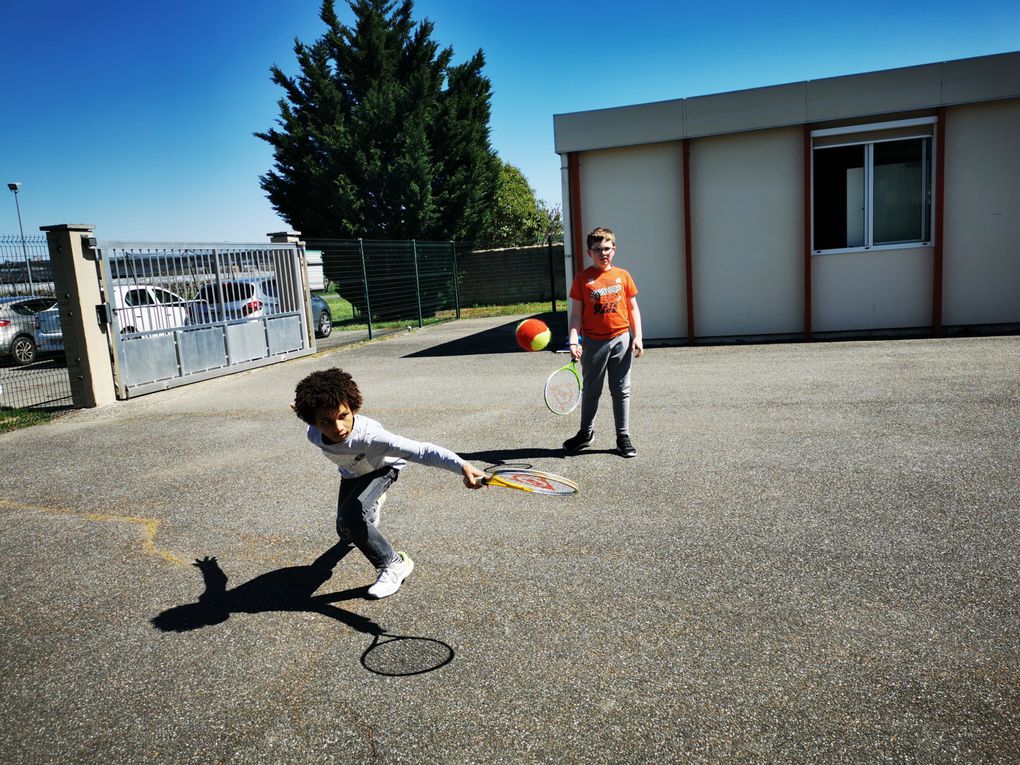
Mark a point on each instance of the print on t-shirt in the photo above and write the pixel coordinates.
(607, 299)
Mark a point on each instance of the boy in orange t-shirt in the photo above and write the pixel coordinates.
(604, 310)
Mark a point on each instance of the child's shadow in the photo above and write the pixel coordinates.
(286, 589)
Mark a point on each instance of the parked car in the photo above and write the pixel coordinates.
(49, 334)
(247, 298)
(144, 308)
(244, 298)
(17, 326)
(322, 317)
(140, 308)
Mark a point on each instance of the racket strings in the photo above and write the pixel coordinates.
(562, 391)
(537, 481)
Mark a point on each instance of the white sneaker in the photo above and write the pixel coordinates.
(391, 577)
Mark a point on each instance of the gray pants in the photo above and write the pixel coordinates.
(597, 358)
(357, 497)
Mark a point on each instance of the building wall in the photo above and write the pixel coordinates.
(882, 289)
(981, 260)
(638, 193)
(747, 204)
(747, 215)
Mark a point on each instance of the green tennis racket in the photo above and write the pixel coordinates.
(563, 389)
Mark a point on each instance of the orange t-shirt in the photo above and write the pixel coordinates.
(605, 301)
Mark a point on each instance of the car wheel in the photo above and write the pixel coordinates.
(23, 350)
(324, 325)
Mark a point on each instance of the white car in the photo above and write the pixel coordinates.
(247, 297)
(145, 308)
(139, 308)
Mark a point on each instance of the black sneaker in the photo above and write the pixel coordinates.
(581, 441)
(625, 447)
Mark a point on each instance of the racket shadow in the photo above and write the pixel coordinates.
(293, 589)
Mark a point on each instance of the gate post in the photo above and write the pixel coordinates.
(76, 285)
(294, 237)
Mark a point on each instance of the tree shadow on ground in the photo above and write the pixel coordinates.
(514, 456)
(498, 339)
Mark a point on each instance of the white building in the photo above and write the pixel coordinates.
(886, 201)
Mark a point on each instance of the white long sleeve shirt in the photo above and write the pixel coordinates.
(371, 447)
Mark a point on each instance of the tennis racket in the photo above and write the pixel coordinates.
(526, 479)
(563, 389)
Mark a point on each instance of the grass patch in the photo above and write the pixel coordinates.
(345, 317)
(13, 419)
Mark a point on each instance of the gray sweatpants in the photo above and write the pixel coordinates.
(597, 358)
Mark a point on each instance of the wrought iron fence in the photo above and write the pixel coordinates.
(29, 377)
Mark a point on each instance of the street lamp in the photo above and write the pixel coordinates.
(14, 186)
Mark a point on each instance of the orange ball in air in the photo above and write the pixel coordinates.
(532, 335)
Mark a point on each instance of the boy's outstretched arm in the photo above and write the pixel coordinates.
(637, 342)
(473, 477)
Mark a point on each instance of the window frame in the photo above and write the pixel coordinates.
(929, 172)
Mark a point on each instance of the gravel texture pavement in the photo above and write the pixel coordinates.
(813, 559)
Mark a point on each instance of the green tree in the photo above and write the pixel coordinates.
(380, 135)
(552, 221)
(516, 218)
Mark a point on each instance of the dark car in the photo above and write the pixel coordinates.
(322, 317)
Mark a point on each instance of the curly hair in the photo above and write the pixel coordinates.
(325, 389)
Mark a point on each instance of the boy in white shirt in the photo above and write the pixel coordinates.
(369, 459)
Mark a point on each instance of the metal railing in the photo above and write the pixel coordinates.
(383, 286)
(29, 377)
(395, 284)
(183, 312)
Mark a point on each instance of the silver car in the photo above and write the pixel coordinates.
(242, 298)
(17, 326)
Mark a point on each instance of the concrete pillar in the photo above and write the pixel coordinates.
(76, 285)
(294, 237)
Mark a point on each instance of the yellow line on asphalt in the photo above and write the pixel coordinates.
(151, 525)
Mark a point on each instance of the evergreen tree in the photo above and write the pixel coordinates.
(380, 136)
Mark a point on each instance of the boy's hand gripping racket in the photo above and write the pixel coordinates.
(526, 479)
(563, 389)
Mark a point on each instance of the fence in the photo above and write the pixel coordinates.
(384, 286)
(393, 284)
(28, 377)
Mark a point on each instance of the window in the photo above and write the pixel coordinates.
(166, 297)
(872, 186)
(138, 297)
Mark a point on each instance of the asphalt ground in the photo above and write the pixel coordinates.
(813, 559)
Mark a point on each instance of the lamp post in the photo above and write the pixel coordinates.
(14, 186)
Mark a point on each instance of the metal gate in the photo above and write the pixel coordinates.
(181, 313)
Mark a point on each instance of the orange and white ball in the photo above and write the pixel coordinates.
(532, 335)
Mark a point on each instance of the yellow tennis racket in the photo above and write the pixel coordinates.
(534, 481)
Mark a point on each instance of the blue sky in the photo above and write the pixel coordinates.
(138, 117)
